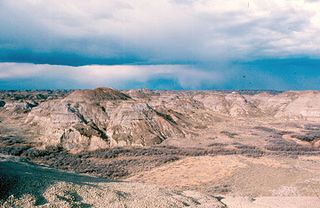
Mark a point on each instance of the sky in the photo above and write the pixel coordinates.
(160, 44)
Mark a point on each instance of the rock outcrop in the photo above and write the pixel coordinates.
(104, 117)
(101, 118)
(305, 105)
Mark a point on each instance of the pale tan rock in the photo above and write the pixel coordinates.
(104, 117)
(89, 120)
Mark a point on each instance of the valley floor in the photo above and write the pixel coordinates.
(205, 181)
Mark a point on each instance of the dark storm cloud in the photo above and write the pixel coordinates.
(155, 32)
(163, 44)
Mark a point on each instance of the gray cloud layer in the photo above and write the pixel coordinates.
(79, 32)
(41, 76)
(28, 76)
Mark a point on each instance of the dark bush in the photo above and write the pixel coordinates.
(229, 134)
(10, 140)
(309, 137)
(2, 103)
(14, 150)
(284, 147)
(312, 127)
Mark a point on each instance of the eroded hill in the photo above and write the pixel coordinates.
(213, 143)
(97, 119)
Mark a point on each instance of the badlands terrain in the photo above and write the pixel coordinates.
(142, 148)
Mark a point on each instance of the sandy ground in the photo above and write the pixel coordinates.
(264, 176)
(243, 181)
(272, 202)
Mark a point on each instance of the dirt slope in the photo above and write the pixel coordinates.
(26, 185)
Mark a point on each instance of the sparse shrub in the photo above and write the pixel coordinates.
(2, 103)
(14, 150)
(309, 137)
(217, 145)
(229, 134)
(312, 127)
(284, 147)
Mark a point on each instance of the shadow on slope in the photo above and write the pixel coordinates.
(19, 178)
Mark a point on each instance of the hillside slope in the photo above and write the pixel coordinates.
(27, 185)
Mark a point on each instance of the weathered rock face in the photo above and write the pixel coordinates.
(102, 118)
(231, 104)
(305, 106)
(98, 95)
(21, 102)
